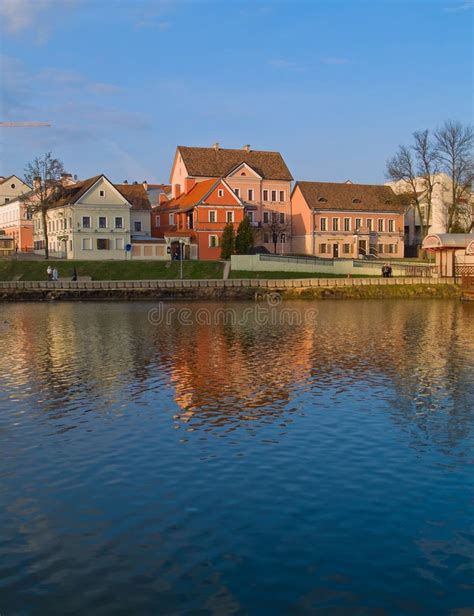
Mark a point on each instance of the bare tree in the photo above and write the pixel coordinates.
(454, 143)
(44, 174)
(277, 229)
(416, 166)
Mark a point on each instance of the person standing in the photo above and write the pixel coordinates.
(74, 275)
(55, 275)
(49, 271)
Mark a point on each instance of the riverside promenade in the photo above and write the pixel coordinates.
(232, 289)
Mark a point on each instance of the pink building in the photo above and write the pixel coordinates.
(260, 179)
(346, 220)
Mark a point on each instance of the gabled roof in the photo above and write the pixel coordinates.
(449, 240)
(10, 177)
(219, 162)
(66, 195)
(136, 195)
(349, 197)
(196, 196)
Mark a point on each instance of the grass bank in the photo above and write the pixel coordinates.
(12, 269)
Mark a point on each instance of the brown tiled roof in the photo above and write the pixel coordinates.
(214, 163)
(164, 187)
(350, 197)
(136, 195)
(64, 195)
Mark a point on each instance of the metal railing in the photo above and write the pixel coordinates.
(296, 259)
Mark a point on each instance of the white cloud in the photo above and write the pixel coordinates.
(459, 8)
(19, 15)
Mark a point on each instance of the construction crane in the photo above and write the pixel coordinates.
(23, 124)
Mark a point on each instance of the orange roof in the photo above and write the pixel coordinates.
(191, 198)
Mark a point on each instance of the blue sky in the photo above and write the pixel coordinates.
(334, 86)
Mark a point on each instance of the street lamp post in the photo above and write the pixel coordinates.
(181, 243)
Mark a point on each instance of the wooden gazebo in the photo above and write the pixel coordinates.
(454, 253)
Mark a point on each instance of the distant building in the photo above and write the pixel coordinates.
(95, 219)
(11, 188)
(7, 244)
(156, 192)
(440, 203)
(346, 220)
(194, 220)
(260, 179)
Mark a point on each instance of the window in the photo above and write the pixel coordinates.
(229, 216)
(86, 243)
(86, 222)
(380, 225)
(213, 241)
(266, 217)
(137, 226)
(102, 244)
(283, 238)
(237, 192)
(119, 243)
(212, 216)
(323, 248)
(266, 238)
(102, 222)
(101, 193)
(391, 248)
(370, 224)
(119, 222)
(171, 219)
(346, 248)
(158, 220)
(220, 193)
(12, 185)
(250, 194)
(335, 224)
(70, 245)
(323, 223)
(250, 216)
(265, 195)
(391, 226)
(282, 195)
(347, 224)
(358, 223)
(70, 222)
(7, 199)
(379, 249)
(274, 195)
(282, 218)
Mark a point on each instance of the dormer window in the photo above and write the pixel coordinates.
(388, 201)
(12, 185)
(220, 193)
(322, 200)
(356, 201)
(243, 173)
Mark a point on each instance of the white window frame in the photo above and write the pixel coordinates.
(391, 225)
(105, 217)
(266, 217)
(335, 224)
(282, 218)
(281, 194)
(380, 225)
(231, 212)
(158, 220)
(216, 244)
(348, 220)
(358, 223)
(237, 192)
(212, 214)
(115, 222)
(273, 195)
(102, 193)
(119, 243)
(370, 224)
(135, 223)
(171, 218)
(323, 224)
(87, 240)
(86, 226)
(220, 192)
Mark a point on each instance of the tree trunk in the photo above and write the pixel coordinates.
(45, 234)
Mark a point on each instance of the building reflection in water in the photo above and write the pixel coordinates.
(105, 356)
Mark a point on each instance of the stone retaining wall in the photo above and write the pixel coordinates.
(218, 289)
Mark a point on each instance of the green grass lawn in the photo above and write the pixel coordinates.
(288, 275)
(12, 269)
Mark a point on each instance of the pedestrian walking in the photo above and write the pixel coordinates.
(74, 275)
(55, 275)
(49, 271)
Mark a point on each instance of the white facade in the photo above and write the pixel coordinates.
(11, 188)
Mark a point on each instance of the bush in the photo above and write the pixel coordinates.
(244, 240)
(228, 241)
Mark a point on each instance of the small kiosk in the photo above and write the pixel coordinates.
(454, 253)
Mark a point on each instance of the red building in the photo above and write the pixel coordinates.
(196, 218)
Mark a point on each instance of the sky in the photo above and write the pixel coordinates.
(334, 85)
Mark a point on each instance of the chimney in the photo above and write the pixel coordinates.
(188, 184)
(216, 146)
(176, 190)
(246, 147)
(36, 182)
(163, 198)
(135, 183)
(145, 185)
(125, 182)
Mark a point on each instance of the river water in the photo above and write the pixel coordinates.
(302, 458)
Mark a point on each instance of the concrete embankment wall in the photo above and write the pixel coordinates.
(249, 289)
(277, 263)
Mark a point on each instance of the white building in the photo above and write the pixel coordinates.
(440, 203)
(11, 188)
(95, 220)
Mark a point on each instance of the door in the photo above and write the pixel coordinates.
(362, 247)
(335, 251)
